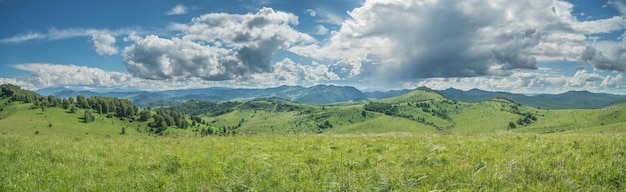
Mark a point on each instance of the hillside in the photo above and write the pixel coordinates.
(418, 111)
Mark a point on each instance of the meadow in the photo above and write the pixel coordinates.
(419, 141)
(502, 161)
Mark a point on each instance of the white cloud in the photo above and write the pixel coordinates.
(531, 82)
(289, 72)
(216, 46)
(22, 38)
(157, 58)
(620, 5)
(329, 17)
(51, 75)
(177, 10)
(321, 30)
(44, 75)
(56, 34)
(582, 78)
(311, 12)
(405, 40)
(103, 40)
(104, 44)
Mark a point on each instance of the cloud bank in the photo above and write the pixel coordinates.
(404, 40)
(215, 46)
(494, 45)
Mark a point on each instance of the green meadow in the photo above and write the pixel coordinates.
(385, 162)
(420, 141)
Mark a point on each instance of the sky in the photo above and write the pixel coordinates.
(522, 46)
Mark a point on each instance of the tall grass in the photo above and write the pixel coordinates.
(399, 162)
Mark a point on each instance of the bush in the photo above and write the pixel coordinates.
(512, 125)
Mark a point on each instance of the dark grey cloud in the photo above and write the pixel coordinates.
(614, 61)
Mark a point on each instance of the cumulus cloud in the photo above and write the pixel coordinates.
(216, 46)
(177, 10)
(157, 58)
(612, 58)
(289, 72)
(50, 75)
(404, 40)
(44, 75)
(104, 44)
(582, 78)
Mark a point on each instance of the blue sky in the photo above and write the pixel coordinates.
(526, 46)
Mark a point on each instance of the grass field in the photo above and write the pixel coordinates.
(424, 142)
(398, 162)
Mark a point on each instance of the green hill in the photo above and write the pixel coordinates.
(414, 96)
(418, 111)
(24, 119)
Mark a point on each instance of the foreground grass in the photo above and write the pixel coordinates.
(501, 162)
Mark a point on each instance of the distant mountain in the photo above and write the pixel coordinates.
(568, 100)
(327, 94)
(320, 94)
(51, 90)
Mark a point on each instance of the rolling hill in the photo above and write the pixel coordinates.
(418, 111)
(329, 94)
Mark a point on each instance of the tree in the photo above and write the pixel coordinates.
(145, 115)
(99, 108)
(88, 116)
(52, 101)
(66, 103)
(73, 108)
(82, 101)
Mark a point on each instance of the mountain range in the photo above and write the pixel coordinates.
(328, 94)
(567, 100)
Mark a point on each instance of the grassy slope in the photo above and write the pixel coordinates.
(22, 119)
(462, 118)
(414, 96)
(483, 117)
(345, 119)
(612, 119)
